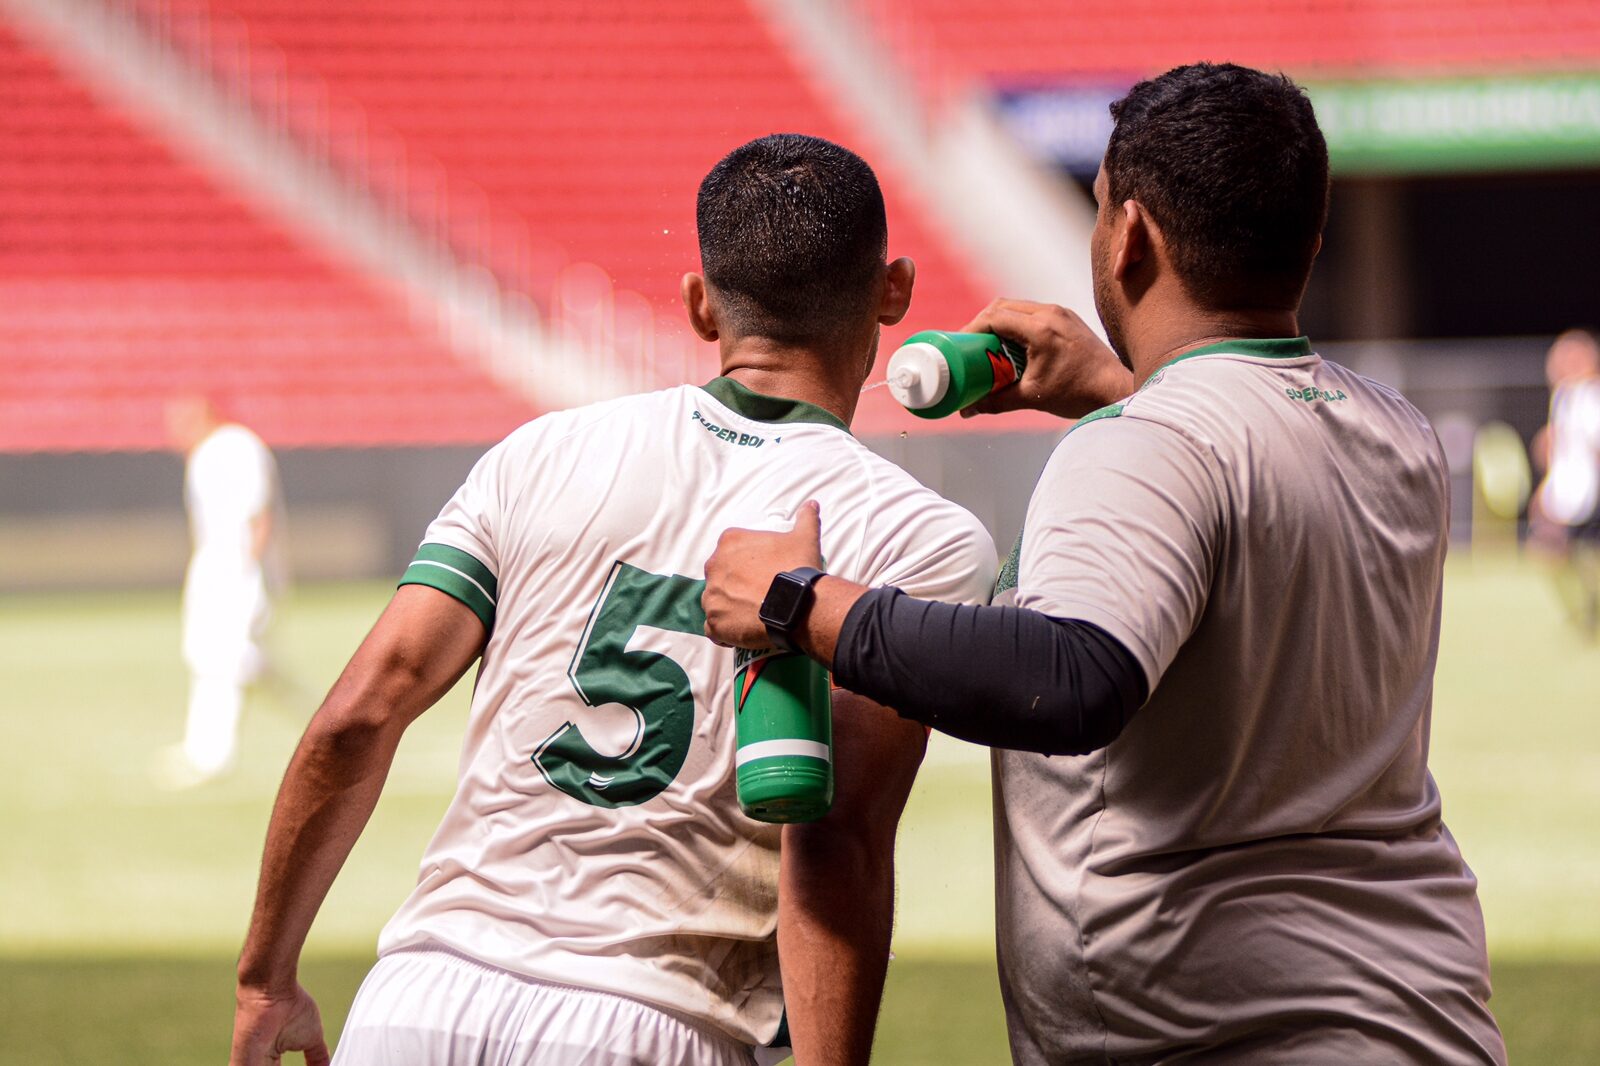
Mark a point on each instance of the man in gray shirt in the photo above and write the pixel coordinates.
(1208, 677)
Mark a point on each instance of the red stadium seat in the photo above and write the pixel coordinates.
(585, 127)
(127, 276)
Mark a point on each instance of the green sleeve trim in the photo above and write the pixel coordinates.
(458, 574)
(1007, 578)
(1108, 411)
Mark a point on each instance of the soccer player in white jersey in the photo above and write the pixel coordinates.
(1217, 839)
(594, 894)
(231, 491)
(1566, 509)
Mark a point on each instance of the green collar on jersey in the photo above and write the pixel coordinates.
(1260, 347)
(763, 408)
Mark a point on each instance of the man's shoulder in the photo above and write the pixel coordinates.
(893, 485)
(603, 416)
(233, 437)
(229, 449)
(920, 540)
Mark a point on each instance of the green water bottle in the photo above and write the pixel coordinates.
(935, 373)
(783, 727)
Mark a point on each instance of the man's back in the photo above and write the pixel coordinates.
(595, 838)
(1264, 836)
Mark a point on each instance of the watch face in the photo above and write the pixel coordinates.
(783, 599)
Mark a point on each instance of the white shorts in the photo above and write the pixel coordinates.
(436, 1008)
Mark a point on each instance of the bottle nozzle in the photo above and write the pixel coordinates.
(918, 376)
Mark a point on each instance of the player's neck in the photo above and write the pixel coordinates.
(822, 379)
(1170, 336)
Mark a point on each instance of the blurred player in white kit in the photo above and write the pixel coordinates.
(231, 492)
(1566, 509)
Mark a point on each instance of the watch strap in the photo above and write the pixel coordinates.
(780, 630)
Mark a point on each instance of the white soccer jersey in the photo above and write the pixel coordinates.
(230, 480)
(595, 838)
(1571, 490)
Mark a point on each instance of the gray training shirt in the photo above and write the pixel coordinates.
(1256, 869)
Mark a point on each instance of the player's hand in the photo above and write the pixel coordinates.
(265, 1026)
(743, 566)
(1070, 370)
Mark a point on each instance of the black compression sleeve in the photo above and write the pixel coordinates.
(999, 676)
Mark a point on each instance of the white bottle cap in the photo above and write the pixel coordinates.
(919, 376)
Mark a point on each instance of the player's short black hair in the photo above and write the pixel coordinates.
(1232, 166)
(792, 231)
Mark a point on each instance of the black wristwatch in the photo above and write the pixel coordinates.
(788, 600)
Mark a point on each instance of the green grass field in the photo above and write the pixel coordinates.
(122, 906)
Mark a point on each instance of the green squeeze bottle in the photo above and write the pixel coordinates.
(935, 373)
(783, 728)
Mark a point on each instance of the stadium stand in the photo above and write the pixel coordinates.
(950, 43)
(127, 276)
(584, 128)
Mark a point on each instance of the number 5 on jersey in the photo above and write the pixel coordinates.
(654, 686)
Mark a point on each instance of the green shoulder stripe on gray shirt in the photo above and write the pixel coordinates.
(458, 574)
(1006, 580)
(1111, 410)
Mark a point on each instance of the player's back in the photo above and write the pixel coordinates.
(595, 838)
(1272, 797)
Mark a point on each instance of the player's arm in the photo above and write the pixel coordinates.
(260, 533)
(419, 648)
(999, 676)
(836, 892)
(1114, 599)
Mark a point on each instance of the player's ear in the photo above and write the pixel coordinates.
(898, 279)
(1316, 249)
(697, 302)
(1133, 239)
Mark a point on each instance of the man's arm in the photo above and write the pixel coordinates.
(1000, 676)
(1070, 370)
(420, 647)
(836, 893)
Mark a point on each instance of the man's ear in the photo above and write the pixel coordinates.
(1316, 249)
(1134, 239)
(898, 279)
(697, 302)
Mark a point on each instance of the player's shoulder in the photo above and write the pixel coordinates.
(908, 516)
(603, 416)
(232, 445)
(893, 485)
(235, 436)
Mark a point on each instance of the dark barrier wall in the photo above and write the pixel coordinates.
(117, 521)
